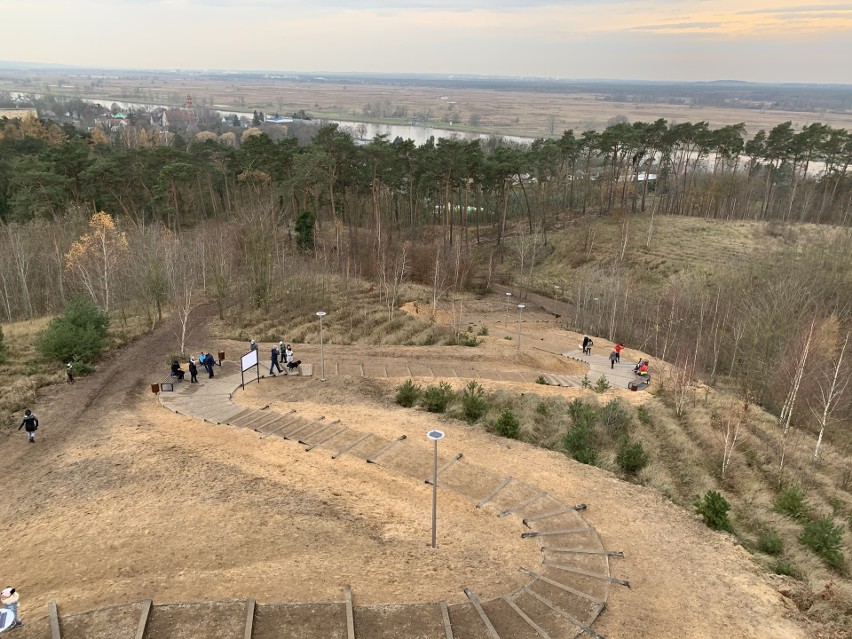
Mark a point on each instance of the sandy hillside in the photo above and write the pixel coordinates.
(121, 500)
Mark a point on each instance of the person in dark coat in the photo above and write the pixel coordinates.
(30, 424)
(208, 364)
(193, 371)
(586, 341)
(69, 373)
(177, 371)
(275, 363)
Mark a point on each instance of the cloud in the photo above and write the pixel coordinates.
(816, 8)
(403, 5)
(676, 27)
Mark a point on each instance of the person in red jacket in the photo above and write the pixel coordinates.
(618, 348)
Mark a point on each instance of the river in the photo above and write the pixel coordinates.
(418, 133)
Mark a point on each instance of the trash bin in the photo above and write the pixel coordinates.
(221, 357)
(155, 388)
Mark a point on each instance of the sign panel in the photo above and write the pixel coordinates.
(435, 435)
(248, 360)
(6, 619)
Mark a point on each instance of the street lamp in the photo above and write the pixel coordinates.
(508, 295)
(321, 314)
(435, 435)
(521, 308)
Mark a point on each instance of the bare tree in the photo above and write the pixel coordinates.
(732, 425)
(790, 401)
(393, 275)
(95, 257)
(21, 254)
(830, 396)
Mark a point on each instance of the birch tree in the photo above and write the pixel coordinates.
(183, 278)
(94, 258)
(830, 396)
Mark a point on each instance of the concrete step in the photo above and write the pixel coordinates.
(120, 622)
(306, 621)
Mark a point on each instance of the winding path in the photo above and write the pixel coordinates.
(562, 596)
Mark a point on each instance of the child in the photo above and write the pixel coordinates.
(613, 358)
(9, 598)
(30, 424)
(588, 349)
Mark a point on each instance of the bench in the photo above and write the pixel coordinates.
(168, 384)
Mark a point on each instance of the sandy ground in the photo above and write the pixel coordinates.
(121, 500)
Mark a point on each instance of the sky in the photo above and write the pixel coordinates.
(680, 40)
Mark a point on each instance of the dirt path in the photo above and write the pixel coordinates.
(121, 500)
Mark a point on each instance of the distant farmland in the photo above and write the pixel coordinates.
(510, 108)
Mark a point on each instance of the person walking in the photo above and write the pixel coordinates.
(613, 357)
(618, 348)
(69, 373)
(30, 424)
(208, 364)
(9, 598)
(253, 345)
(274, 364)
(586, 340)
(193, 371)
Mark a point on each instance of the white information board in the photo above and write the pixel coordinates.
(6, 619)
(248, 360)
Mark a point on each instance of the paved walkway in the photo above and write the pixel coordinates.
(563, 595)
(618, 377)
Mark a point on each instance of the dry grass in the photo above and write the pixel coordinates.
(25, 371)
(357, 314)
(678, 244)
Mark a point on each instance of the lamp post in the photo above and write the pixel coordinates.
(521, 308)
(435, 435)
(321, 314)
(508, 295)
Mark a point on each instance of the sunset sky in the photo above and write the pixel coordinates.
(764, 41)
